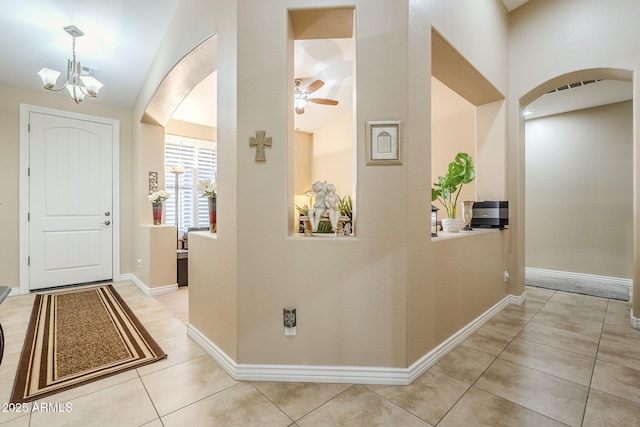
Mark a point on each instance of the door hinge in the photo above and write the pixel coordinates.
(29, 171)
(29, 260)
(28, 216)
(29, 127)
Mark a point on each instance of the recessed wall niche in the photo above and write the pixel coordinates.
(322, 66)
(464, 108)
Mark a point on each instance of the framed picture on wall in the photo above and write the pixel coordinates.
(384, 142)
(153, 182)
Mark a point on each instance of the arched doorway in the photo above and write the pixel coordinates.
(580, 169)
(198, 66)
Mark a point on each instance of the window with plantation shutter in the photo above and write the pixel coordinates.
(199, 159)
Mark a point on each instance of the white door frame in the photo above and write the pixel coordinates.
(25, 110)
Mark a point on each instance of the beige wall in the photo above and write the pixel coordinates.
(194, 22)
(478, 31)
(372, 296)
(219, 321)
(191, 130)
(157, 267)
(453, 130)
(469, 284)
(457, 126)
(10, 100)
(303, 155)
(491, 151)
(384, 298)
(353, 294)
(362, 282)
(359, 301)
(333, 155)
(543, 47)
(579, 191)
(302, 161)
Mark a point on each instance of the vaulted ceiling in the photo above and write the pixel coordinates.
(121, 46)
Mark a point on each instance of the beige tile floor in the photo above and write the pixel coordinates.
(559, 359)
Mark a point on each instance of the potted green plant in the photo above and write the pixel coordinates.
(447, 189)
(346, 209)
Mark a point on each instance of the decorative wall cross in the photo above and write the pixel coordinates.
(260, 142)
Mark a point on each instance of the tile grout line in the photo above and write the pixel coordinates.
(333, 398)
(498, 356)
(595, 360)
(529, 409)
(487, 368)
(272, 402)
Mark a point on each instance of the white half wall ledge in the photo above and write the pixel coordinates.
(346, 374)
(635, 322)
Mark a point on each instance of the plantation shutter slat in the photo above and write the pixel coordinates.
(199, 158)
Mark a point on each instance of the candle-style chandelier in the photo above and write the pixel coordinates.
(77, 84)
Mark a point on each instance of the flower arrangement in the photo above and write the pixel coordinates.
(158, 197)
(207, 188)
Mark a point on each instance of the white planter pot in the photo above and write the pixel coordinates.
(451, 225)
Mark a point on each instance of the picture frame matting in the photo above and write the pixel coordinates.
(384, 142)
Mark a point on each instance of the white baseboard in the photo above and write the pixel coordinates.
(16, 291)
(635, 322)
(431, 358)
(518, 299)
(343, 374)
(581, 276)
(147, 290)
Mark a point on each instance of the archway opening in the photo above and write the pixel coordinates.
(578, 186)
(184, 106)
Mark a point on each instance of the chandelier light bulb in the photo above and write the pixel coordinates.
(91, 84)
(75, 92)
(49, 77)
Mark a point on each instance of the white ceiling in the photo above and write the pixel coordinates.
(330, 60)
(122, 47)
(121, 40)
(200, 105)
(591, 95)
(513, 4)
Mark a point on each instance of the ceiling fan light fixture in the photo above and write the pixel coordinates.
(299, 100)
(301, 96)
(77, 85)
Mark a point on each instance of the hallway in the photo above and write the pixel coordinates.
(559, 359)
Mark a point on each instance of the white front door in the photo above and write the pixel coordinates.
(70, 201)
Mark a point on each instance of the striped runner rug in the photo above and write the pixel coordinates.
(77, 337)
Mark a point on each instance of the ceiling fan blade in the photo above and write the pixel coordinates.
(323, 101)
(300, 110)
(313, 86)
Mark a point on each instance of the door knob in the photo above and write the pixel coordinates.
(107, 213)
(107, 222)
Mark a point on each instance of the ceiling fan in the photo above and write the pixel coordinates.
(300, 96)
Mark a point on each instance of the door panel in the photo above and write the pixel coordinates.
(70, 189)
